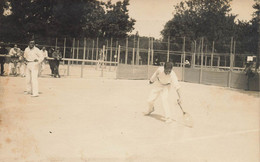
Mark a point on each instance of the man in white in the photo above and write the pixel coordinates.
(44, 56)
(163, 79)
(33, 57)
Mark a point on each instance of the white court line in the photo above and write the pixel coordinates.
(218, 135)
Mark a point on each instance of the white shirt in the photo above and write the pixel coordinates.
(164, 79)
(13, 52)
(33, 54)
(44, 53)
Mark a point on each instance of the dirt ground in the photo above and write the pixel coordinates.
(100, 120)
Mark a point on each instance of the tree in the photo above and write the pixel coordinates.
(117, 19)
(26, 19)
(201, 18)
(56, 18)
(256, 28)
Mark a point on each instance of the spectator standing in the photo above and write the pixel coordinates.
(51, 61)
(57, 57)
(3, 51)
(44, 57)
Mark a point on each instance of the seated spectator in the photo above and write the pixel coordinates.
(187, 63)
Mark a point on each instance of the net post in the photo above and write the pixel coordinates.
(206, 56)
(201, 61)
(111, 52)
(133, 56)
(234, 54)
(118, 55)
(116, 51)
(194, 55)
(77, 51)
(97, 53)
(92, 52)
(64, 50)
(73, 49)
(87, 50)
(97, 49)
(212, 54)
(68, 68)
(102, 61)
(126, 50)
(184, 55)
(84, 57)
(230, 63)
(137, 51)
(218, 61)
(106, 51)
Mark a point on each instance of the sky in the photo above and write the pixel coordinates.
(151, 15)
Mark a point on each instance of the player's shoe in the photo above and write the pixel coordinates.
(149, 111)
(27, 92)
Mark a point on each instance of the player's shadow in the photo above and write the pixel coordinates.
(157, 117)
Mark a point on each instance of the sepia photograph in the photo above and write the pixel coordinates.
(129, 81)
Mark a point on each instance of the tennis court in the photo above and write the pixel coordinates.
(100, 119)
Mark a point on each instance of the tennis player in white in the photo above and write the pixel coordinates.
(32, 57)
(163, 79)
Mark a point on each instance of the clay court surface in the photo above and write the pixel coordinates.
(100, 120)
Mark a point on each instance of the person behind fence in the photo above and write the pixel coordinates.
(51, 61)
(3, 51)
(44, 57)
(57, 57)
(100, 59)
(156, 62)
(13, 66)
(162, 80)
(187, 63)
(249, 73)
(32, 57)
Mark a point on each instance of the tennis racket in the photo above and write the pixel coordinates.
(187, 119)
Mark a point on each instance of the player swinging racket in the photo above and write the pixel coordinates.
(163, 79)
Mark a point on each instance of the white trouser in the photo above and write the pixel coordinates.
(41, 68)
(32, 77)
(162, 90)
(14, 68)
(22, 69)
(10, 68)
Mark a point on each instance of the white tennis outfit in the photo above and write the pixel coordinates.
(44, 54)
(162, 85)
(32, 69)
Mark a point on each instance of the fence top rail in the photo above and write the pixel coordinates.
(82, 60)
(70, 59)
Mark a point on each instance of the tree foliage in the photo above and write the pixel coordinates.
(58, 18)
(201, 18)
(212, 20)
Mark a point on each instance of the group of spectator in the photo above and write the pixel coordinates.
(14, 58)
